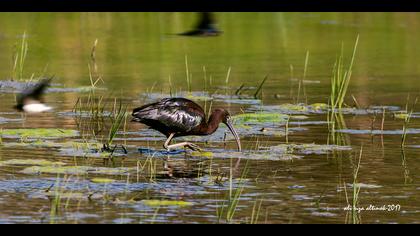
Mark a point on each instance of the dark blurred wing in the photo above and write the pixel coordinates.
(175, 113)
(205, 26)
(34, 92)
(206, 21)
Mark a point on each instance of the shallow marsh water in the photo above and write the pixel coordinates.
(296, 178)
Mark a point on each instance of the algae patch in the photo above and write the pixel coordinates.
(40, 133)
(77, 170)
(102, 180)
(247, 118)
(154, 203)
(307, 149)
(30, 162)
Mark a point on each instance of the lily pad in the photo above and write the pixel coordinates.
(39, 133)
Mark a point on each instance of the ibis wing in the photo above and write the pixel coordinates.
(172, 113)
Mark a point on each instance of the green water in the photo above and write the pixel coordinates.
(136, 55)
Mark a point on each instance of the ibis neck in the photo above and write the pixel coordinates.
(213, 123)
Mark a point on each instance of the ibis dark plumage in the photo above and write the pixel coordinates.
(206, 26)
(175, 117)
(30, 100)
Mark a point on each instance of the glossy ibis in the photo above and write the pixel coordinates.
(30, 99)
(175, 117)
(206, 26)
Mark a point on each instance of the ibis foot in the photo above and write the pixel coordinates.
(184, 144)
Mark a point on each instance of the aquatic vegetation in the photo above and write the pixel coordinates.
(306, 149)
(407, 121)
(229, 205)
(257, 92)
(86, 146)
(254, 155)
(320, 108)
(202, 154)
(117, 119)
(155, 203)
(292, 109)
(402, 116)
(19, 58)
(30, 162)
(39, 133)
(78, 170)
(91, 152)
(102, 180)
(355, 215)
(251, 118)
(340, 79)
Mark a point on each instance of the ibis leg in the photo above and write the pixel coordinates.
(168, 141)
(184, 144)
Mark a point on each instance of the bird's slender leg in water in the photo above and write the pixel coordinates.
(183, 144)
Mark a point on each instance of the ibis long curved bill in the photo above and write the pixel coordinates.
(235, 134)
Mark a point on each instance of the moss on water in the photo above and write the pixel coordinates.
(30, 162)
(401, 116)
(38, 133)
(154, 203)
(309, 148)
(202, 154)
(77, 170)
(198, 97)
(46, 143)
(319, 106)
(299, 117)
(102, 180)
(260, 118)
